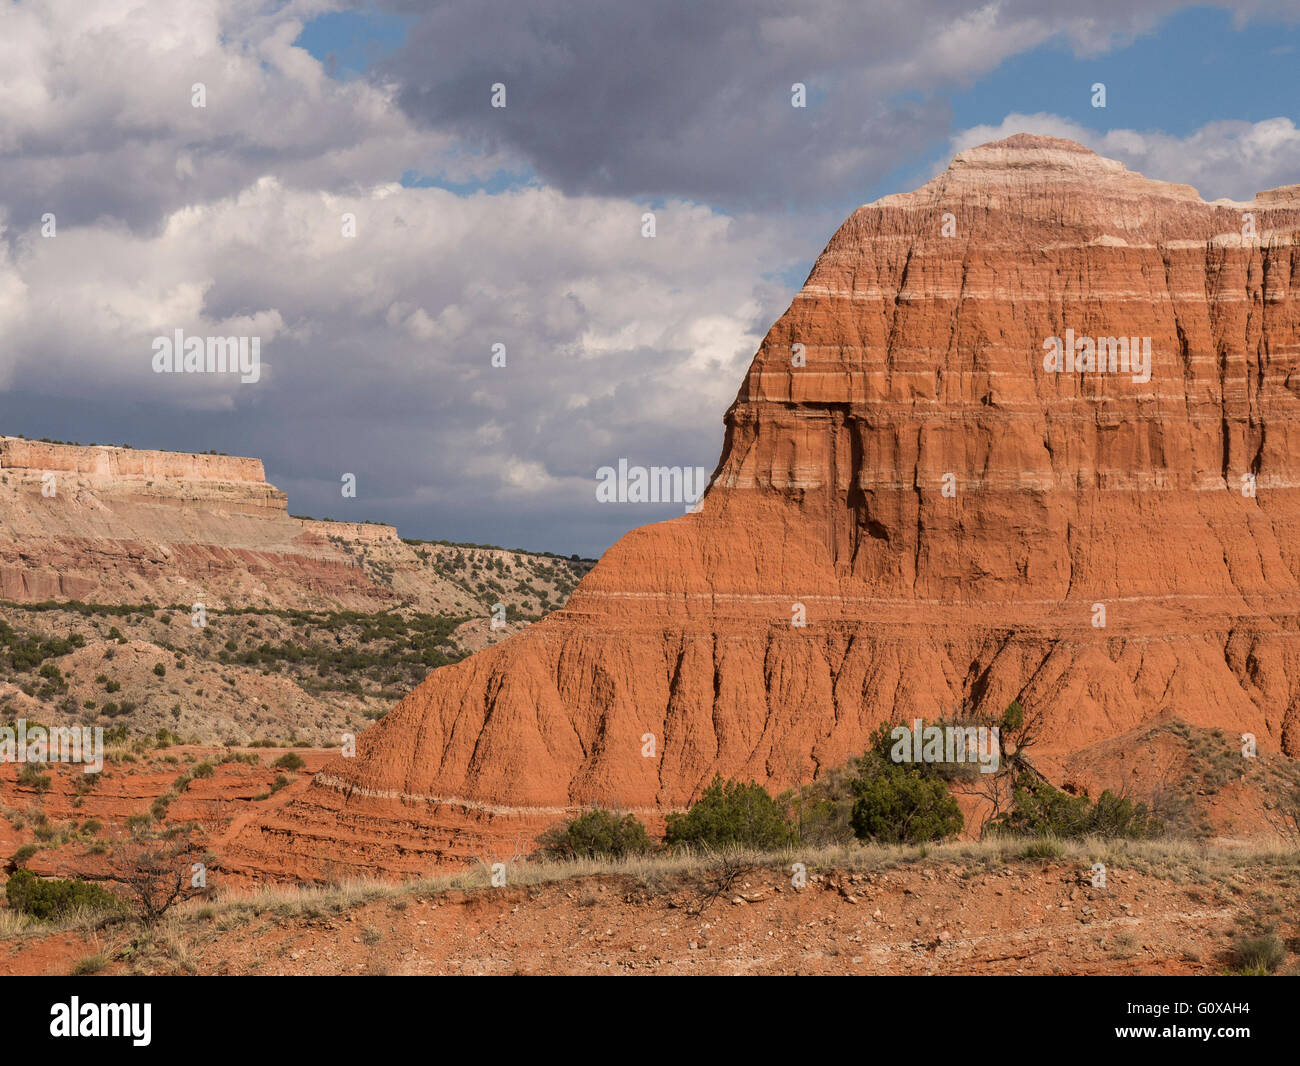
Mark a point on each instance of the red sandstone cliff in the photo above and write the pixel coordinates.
(924, 358)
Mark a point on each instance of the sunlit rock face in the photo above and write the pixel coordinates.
(945, 465)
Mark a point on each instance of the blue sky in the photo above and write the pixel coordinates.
(350, 42)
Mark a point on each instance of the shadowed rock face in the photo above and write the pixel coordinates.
(923, 327)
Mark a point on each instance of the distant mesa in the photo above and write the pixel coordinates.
(117, 525)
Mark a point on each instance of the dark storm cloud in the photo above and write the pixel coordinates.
(694, 99)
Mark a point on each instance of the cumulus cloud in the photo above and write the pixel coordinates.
(228, 220)
(97, 117)
(377, 349)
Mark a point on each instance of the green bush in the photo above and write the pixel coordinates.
(1040, 809)
(730, 814)
(596, 833)
(897, 805)
(290, 760)
(53, 899)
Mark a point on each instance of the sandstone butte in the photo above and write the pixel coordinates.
(127, 525)
(924, 358)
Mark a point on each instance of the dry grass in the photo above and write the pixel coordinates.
(1179, 861)
(1173, 860)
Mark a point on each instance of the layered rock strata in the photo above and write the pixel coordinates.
(958, 520)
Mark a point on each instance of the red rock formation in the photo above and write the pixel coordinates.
(122, 525)
(923, 326)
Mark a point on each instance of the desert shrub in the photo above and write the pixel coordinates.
(731, 814)
(898, 805)
(24, 853)
(1257, 955)
(596, 833)
(1040, 809)
(290, 760)
(875, 798)
(160, 669)
(47, 900)
(154, 866)
(1043, 848)
(31, 776)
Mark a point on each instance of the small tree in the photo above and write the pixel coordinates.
(596, 833)
(897, 805)
(730, 814)
(155, 866)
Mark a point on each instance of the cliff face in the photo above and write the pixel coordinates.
(121, 465)
(118, 525)
(952, 518)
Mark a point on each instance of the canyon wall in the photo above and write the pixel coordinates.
(912, 516)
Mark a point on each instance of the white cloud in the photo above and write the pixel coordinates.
(381, 344)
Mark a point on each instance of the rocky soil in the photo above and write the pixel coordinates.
(971, 910)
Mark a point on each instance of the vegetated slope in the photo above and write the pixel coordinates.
(171, 590)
